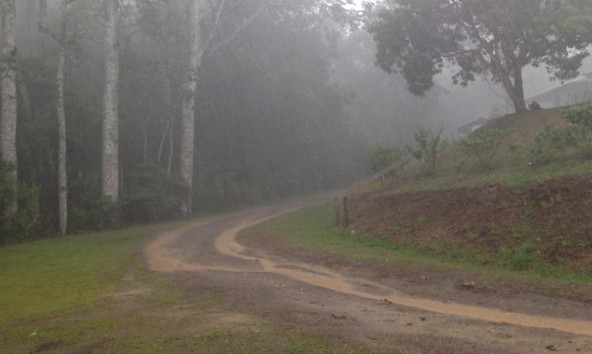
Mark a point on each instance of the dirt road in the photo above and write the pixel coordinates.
(360, 310)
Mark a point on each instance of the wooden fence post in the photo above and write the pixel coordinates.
(345, 212)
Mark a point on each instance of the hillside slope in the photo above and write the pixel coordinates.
(517, 215)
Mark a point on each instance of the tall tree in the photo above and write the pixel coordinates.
(61, 112)
(197, 49)
(188, 104)
(110, 152)
(8, 115)
(491, 39)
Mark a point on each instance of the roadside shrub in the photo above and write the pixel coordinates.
(23, 224)
(382, 157)
(548, 142)
(152, 195)
(104, 214)
(77, 219)
(584, 143)
(580, 115)
(87, 209)
(6, 186)
(429, 146)
(483, 147)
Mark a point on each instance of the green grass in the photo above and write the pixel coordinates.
(513, 164)
(514, 177)
(53, 298)
(55, 275)
(314, 229)
(52, 290)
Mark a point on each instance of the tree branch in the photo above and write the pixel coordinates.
(214, 27)
(239, 29)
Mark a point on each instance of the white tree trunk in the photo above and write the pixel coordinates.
(62, 177)
(188, 105)
(110, 159)
(196, 51)
(8, 115)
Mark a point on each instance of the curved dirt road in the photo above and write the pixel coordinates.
(357, 309)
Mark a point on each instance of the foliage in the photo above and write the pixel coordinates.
(429, 146)
(584, 143)
(548, 142)
(37, 137)
(6, 183)
(492, 39)
(579, 115)
(382, 157)
(378, 108)
(153, 196)
(269, 120)
(482, 146)
(521, 258)
(105, 214)
(283, 135)
(24, 224)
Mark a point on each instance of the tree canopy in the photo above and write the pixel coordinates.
(494, 40)
(268, 119)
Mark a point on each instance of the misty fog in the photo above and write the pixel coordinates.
(285, 97)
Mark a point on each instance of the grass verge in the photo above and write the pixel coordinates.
(313, 230)
(93, 293)
(514, 177)
(42, 278)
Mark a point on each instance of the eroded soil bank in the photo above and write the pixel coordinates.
(549, 223)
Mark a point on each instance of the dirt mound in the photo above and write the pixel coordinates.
(550, 222)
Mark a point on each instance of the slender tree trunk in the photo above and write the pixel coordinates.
(196, 52)
(170, 162)
(169, 127)
(8, 115)
(145, 145)
(110, 158)
(42, 19)
(42, 23)
(162, 140)
(24, 100)
(60, 108)
(188, 106)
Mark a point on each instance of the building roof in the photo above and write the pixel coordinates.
(574, 91)
(470, 127)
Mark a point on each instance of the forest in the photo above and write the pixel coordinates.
(133, 111)
(267, 119)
